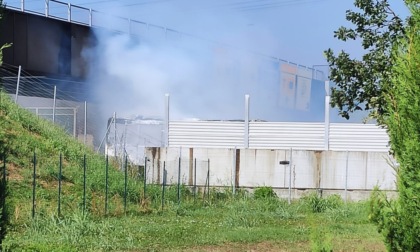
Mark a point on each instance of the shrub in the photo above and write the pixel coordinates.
(264, 192)
(317, 204)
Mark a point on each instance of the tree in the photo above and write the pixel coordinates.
(362, 83)
(387, 81)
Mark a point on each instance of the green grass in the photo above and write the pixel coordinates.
(219, 223)
(244, 221)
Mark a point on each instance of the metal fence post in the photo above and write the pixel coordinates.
(33, 186)
(347, 170)
(17, 84)
(85, 125)
(54, 103)
(125, 183)
(84, 183)
(106, 185)
(234, 173)
(59, 184)
(179, 180)
(115, 135)
(290, 176)
(208, 179)
(163, 184)
(144, 177)
(195, 179)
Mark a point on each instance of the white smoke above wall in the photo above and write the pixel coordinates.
(205, 80)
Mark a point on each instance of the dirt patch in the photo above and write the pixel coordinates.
(13, 172)
(358, 245)
(265, 246)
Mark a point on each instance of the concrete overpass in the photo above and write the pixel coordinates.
(45, 46)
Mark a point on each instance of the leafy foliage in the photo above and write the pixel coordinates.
(386, 81)
(399, 220)
(318, 204)
(361, 84)
(264, 192)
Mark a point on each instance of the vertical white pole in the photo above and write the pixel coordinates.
(327, 116)
(22, 5)
(90, 17)
(17, 84)
(246, 121)
(166, 120)
(347, 171)
(47, 8)
(290, 176)
(54, 102)
(85, 128)
(115, 135)
(69, 12)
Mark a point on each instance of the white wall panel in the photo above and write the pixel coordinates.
(310, 169)
(279, 135)
(210, 134)
(358, 137)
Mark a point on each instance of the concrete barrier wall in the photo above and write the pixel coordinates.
(254, 167)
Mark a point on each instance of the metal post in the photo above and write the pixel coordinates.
(106, 185)
(18, 82)
(166, 120)
(22, 5)
(74, 122)
(208, 179)
(33, 186)
(327, 117)
(347, 170)
(69, 12)
(246, 121)
(47, 8)
(115, 135)
(195, 178)
(234, 173)
(85, 126)
(59, 184)
(84, 183)
(144, 177)
(123, 152)
(179, 180)
(54, 103)
(125, 183)
(290, 176)
(163, 184)
(90, 17)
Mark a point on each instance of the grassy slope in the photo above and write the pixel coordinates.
(228, 224)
